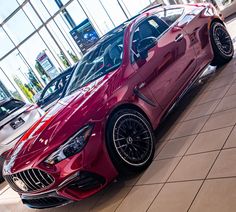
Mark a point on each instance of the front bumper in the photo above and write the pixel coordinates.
(74, 178)
(83, 183)
(43, 201)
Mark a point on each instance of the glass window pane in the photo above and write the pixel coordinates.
(64, 1)
(32, 15)
(63, 43)
(134, 9)
(76, 12)
(99, 15)
(62, 24)
(5, 43)
(51, 6)
(51, 44)
(37, 4)
(48, 66)
(20, 1)
(7, 7)
(114, 11)
(7, 86)
(18, 27)
(17, 70)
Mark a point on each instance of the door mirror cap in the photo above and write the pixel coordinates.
(145, 45)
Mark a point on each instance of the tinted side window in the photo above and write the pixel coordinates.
(56, 87)
(9, 107)
(151, 27)
(170, 15)
(49, 90)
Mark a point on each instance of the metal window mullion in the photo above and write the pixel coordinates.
(45, 25)
(37, 30)
(90, 17)
(24, 60)
(16, 88)
(65, 53)
(75, 46)
(14, 12)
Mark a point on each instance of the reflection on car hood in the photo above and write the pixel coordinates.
(49, 132)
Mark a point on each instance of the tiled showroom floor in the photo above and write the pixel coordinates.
(195, 164)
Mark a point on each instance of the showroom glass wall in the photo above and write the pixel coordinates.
(35, 38)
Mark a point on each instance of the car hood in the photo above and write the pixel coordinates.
(59, 124)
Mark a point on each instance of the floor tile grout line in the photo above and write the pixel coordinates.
(168, 177)
(233, 108)
(4, 190)
(216, 156)
(210, 115)
(186, 180)
(169, 140)
(209, 171)
(215, 79)
(126, 195)
(206, 91)
(217, 101)
(177, 163)
(195, 153)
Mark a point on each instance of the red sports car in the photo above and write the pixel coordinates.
(119, 92)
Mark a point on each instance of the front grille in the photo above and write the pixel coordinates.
(29, 180)
(45, 202)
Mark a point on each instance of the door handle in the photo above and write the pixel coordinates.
(179, 37)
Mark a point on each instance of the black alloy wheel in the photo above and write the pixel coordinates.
(221, 43)
(130, 141)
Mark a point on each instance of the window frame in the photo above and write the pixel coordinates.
(154, 14)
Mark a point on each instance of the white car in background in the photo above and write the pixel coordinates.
(16, 117)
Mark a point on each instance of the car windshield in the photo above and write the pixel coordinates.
(103, 58)
(9, 107)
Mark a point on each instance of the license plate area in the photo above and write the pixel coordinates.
(17, 123)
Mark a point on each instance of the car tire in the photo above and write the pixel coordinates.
(1, 165)
(222, 44)
(130, 141)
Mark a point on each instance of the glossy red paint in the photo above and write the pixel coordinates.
(170, 67)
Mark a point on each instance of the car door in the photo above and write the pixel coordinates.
(167, 64)
(196, 25)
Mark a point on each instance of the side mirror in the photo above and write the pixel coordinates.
(145, 45)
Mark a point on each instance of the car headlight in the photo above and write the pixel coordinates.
(73, 146)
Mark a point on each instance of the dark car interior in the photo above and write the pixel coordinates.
(9, 107)
(54, 89)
